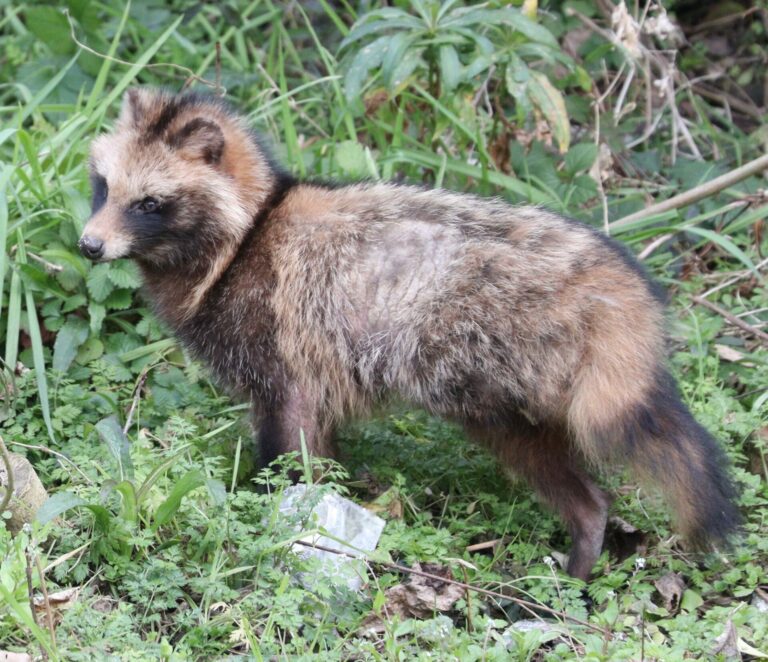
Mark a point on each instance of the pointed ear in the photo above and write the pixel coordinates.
(199, 139)
(135, 104)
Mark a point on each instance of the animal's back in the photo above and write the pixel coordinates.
(467, 306)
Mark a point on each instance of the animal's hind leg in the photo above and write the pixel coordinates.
(542, 457)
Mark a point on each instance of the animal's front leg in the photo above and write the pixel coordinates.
(280, 426)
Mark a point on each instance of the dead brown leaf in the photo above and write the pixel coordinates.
(623, 539)
(670, 587)
(727, 644)
(389, 504)
(60, 599)
(419, 597)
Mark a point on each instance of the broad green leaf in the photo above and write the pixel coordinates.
(188, 482)
(411, 59)
(113, 436)
(450, 68)
(127, 491)
(89, 351)
(51, 27)
(396, 48)
(61, 502)
(550, 102)
(98, 282)
(366, 59)
(507, 16)
(217, 490)
(391, 19)
(68, 340)
(59, 255)
(97, 313)
(73, 303)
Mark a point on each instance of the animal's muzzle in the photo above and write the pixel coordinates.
(91, 247)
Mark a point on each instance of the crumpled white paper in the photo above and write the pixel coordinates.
(358, 528)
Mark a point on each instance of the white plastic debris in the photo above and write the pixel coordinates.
(344, 521)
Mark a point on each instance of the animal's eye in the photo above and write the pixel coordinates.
(148, 205)
(100, 191)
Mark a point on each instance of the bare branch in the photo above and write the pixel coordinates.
(699, 192)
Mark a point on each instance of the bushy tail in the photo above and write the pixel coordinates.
(656, 435)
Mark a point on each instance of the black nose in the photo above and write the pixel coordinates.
(91, 247)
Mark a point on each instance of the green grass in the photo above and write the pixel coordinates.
(168, 529)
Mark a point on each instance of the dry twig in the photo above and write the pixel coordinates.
(9, 472)
(191, 75)
(732, 319)
(525, 604)
(699, 192)
(61, 456)
(31, 595)
(135, 401)
(46, 600)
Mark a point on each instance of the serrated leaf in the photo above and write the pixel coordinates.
(350, 156)
(68, 340)
(580, 157)
(98, 282)
(188, 482)
(73, 303)
(125, 274)
(119, 300)
(548, 99)
(691, 600)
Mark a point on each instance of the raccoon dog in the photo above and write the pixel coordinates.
(539, 335)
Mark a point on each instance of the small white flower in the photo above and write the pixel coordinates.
(549, 561)
(639, 563)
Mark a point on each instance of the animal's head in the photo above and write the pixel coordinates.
(178, 177)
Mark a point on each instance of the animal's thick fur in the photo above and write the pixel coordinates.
(536, 332)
